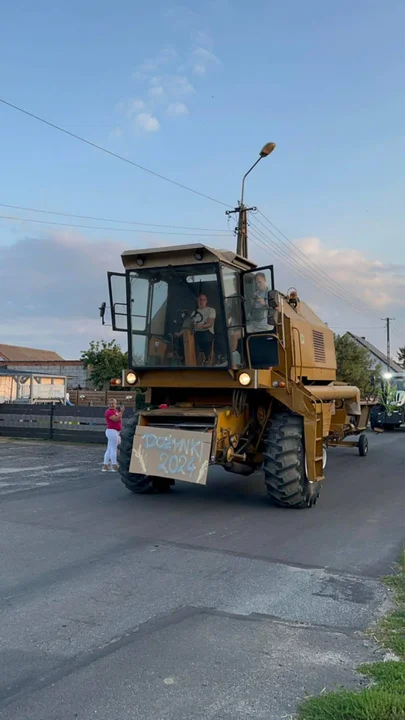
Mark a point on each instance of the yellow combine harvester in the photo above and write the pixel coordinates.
(238, 374)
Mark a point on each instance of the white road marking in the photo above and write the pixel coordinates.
(8, 471)
(62, 470)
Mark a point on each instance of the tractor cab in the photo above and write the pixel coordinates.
(195, 307)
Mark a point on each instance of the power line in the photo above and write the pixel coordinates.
(318, 280)
(111, 229)
(294, 263)
(324, 277)
(110, 152)
(359, 302)
(101, 219)
(400, 335)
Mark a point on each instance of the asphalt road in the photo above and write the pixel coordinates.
(205, 604)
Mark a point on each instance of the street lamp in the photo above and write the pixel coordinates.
(264, 152)
(241, 245)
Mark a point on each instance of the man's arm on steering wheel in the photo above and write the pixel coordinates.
(206, 325)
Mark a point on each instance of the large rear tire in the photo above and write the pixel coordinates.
(284, 463)
(136, 483)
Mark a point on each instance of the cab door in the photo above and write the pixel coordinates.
(117, 287)
(262, 346)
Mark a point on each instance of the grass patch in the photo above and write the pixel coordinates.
(384, 699)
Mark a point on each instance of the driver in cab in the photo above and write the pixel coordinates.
(204, 325)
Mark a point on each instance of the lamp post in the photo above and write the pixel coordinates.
(241, 246)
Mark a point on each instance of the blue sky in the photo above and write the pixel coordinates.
(192, 91)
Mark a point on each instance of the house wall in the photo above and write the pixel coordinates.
(76, 374)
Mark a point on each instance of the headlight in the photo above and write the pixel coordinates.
(131, 378)
(244, 378)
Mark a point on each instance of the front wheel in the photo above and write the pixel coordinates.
(284, 463)
(135, 482)
(363, 445)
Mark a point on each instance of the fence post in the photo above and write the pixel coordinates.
(51, 422)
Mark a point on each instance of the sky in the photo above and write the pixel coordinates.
(192, 91)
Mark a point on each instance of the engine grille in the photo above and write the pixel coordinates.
(319, 346)
(181, 422)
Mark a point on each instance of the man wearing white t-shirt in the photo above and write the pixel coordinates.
(204, 322)
(204, 328)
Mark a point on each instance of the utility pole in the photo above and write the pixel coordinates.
(387, 325)
(241, 230)
(242, 210)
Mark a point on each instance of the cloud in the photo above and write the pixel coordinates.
(179, 85)
(177, 109)
(135, 106)
(157, 91)
(146, 122)
(163, 80)
(377, 284)
(203, 60)
(154, 65)
(51, 301)
(54, 302)
(199, 69)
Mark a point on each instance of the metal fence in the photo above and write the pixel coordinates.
(55, 422)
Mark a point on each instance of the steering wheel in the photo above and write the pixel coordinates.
(187, 320)
(197, 317)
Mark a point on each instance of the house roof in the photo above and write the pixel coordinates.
(376, 352)
(14, 353)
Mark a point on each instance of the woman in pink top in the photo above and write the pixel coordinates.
(113, 418)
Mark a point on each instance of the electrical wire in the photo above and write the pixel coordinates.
(293, 263)
(265, 243)
(344, 297)
(110, 152)
(101, 219)
(397, 332)
(315, 270)
(307, 259)
(110, 229)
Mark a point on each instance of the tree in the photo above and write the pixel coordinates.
(105, 361)
(401, 357)
(354, 365)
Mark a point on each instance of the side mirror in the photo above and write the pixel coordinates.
(102, 310)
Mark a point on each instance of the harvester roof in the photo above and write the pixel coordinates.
(183, 255)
